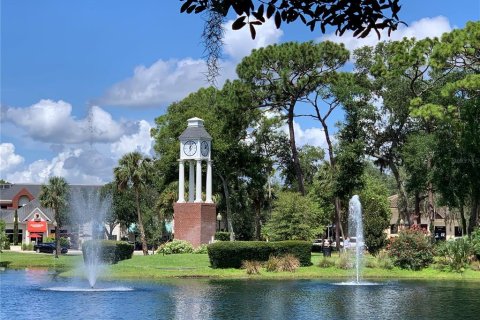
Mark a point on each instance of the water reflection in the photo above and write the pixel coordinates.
(240, 299)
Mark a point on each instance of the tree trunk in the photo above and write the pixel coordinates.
(258, 227)
(140, 224)
(463, 220)
(473, 220)
(417, 208)
(293, 147)
(338, 222)
(227, 203)
(431, 204)
(402, 202)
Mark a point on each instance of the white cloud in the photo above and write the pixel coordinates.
(423, 28)
(140, 141)
(239, 43)
(53, 122)
(166, 81)
(8, 158)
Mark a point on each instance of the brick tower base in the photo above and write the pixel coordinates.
(195, 222)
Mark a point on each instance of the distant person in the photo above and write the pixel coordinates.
(346, 244)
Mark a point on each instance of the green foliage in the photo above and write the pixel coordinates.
(326, 262)
(345, 262)
(27, 247)
(222, 236)
(231, 254)
(176, 246)
(475, 236)
(134, 171)
(64, 242)
(411, 249)
(384, 261)
(109, 251)
(456, 255)
(252, 267)
(202, 249)
(3, 236)
(376, 212)
(294, 217)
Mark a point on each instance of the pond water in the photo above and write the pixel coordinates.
(40, 294)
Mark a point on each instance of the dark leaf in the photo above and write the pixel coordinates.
(252, 31)
(239, 23)
(270, 10)
(191, 8)
(261, 10)
(278, 19)
(186, 5)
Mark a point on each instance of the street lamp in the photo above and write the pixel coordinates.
(219, 219)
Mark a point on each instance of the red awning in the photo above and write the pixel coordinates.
(37, 226)
(35, 235)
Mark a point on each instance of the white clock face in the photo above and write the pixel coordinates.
(204, 148)
(190, 148)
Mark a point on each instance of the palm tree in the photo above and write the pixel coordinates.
(54, 196)
(132, 171)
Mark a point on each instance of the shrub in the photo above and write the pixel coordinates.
(6, 245)
(176, 246)
(64, 242)
(456, 254)
(252, 267)
(326, 263)
(201, 250)
(288, 263)
(272, 264)
(231, 254)
(344, 262)
(475, 238)
(108, 251)
(411, 249)
(384, 261)
(27, 247)
(370, 263)
(222, 236)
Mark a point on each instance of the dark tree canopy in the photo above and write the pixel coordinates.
(359, 16)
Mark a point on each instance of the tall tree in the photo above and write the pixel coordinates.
(282, 75)
(54, 196)
(133, 171)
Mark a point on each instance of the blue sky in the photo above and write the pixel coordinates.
(83, 80)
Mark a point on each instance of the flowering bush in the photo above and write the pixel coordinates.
(412, 249)
(176, 246)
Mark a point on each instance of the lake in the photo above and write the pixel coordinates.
(41, 294)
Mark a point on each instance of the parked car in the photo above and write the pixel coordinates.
(48, 247)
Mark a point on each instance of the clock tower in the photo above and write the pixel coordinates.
(194, 218)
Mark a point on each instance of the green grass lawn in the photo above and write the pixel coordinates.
(156, 267)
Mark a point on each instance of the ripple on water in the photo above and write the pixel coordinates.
(80, 289)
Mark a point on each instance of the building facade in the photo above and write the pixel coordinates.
(35, 223)
(445, 225)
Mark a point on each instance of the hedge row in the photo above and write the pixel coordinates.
(231, 254)
(107, 251)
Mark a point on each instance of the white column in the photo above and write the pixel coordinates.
(181, 182)
(198, 182)
(191, 182)
(209, 182)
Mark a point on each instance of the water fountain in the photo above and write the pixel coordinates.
(355, 227)
(89, 210)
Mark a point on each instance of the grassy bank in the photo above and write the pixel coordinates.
(156, 267)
